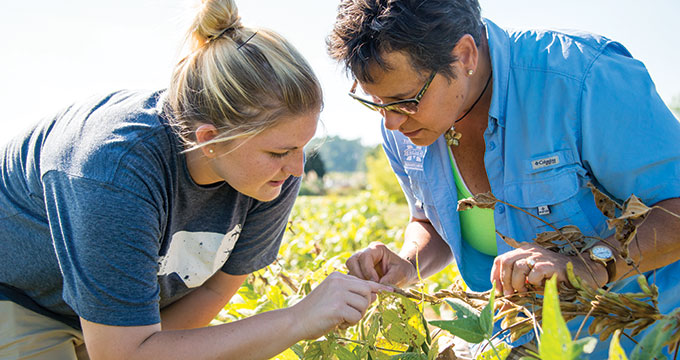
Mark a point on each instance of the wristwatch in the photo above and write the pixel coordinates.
(605, 256)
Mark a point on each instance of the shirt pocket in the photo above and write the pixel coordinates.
(549, 189)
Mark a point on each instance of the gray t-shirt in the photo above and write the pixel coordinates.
(99, 217)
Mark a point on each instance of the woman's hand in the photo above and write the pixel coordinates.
(531, 264)
(339, 301)
(380, 264)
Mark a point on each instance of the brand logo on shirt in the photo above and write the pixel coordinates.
(413, 157)
(542, 163)
(196, 256)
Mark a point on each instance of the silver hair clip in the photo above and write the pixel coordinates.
(245, 42)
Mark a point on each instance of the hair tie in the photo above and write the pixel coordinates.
(219, 35)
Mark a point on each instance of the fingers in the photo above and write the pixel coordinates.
(356, 296)
(496, 275)
(356, 307)
(506, 267)
(363, 263)
(520, 272)
(514, 270)
(399, 272)
(340, 300)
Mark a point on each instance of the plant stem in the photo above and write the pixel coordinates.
(498, 356)
(583, 323)
(592, 274)
(667, 211)
(364, 344)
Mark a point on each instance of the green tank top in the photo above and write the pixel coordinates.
(477, 226)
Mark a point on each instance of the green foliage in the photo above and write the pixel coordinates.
(338, 154)
(402, 320)
(556, 342)
(380, 178)
(324, 231)
(615, 350)
(651, 346)
(675, 105)
(469, 324)
(466, 323)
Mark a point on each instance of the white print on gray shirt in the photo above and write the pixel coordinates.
(196, 256)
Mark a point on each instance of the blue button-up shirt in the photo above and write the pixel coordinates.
(567, 109)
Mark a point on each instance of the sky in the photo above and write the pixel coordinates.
(53, 53)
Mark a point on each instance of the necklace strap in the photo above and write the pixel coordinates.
(476, 101)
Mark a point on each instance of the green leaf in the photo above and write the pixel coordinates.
(401, 320)
(344, 354)
(378, 355)
(434, 351)
(615, 350)
(651, 346)
(556, 341)
(299, 350)
(275, 295)
(313, 351)
(465, 325)
(265, 306)
(486, 317)
(289, 354)
(489, 354)
(409, 356)
(585, 345)
(373, 328)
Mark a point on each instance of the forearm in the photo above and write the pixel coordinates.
(256, 337)
(657, 243)
(193, 311)
(198, 308)
(423, 241)
(339, 300)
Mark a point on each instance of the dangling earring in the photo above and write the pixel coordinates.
(470, 72)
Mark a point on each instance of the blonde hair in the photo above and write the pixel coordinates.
(239, 79)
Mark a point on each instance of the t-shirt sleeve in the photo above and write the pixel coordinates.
(630, 139)
(106, 241)
(263, 229)
(392, 153)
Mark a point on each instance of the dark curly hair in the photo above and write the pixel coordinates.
(427, 30)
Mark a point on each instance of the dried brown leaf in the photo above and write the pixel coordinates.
(603, 202)
(446, 345)
(634, 208)
(625, 233)
(483, 201)
(560, 240)
(510, 241)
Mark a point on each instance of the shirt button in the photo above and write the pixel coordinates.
(492, 145)
(500, 208)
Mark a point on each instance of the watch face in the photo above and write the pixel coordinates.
(602, 252)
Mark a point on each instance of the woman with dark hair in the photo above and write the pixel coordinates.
(129, 220)
(530, 116)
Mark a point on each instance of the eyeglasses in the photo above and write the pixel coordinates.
(406, 106)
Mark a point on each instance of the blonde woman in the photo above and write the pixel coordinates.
(129, 220)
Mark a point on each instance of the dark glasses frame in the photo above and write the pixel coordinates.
(406, 106)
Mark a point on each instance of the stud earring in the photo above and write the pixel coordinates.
(211, 151)
(470, 72)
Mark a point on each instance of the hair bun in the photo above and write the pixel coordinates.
(214, 19)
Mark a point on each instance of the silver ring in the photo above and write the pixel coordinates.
(531, 263)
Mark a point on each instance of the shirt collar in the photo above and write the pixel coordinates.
(499, 51)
